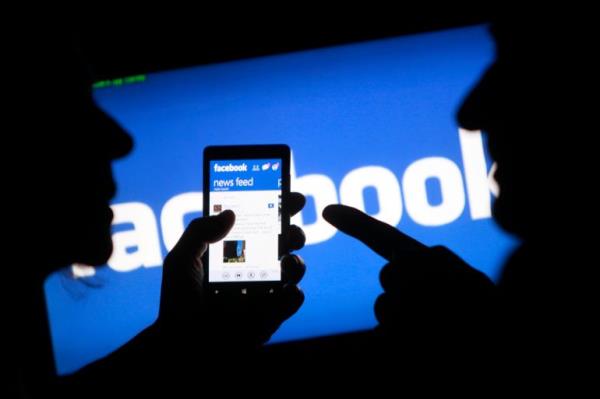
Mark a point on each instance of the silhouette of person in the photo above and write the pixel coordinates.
(60, 215)
(435, 308)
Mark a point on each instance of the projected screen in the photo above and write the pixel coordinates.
(370, 124)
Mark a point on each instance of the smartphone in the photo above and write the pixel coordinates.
(254, 182)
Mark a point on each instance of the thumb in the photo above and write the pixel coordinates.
(204, 231)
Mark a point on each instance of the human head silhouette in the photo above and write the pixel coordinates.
(66, 147)
(524, 105)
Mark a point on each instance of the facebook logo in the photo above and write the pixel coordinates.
(230, 167)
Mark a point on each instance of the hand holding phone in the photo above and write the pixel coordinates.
(190, 311)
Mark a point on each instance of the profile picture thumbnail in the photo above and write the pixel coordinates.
(234, 251)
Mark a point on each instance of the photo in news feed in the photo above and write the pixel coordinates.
(234, 251)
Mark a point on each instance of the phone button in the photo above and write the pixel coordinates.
(244, 291)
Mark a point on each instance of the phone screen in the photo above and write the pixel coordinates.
(252, 188)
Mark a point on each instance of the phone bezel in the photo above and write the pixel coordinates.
(233, 152)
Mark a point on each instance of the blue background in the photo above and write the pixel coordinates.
(388, 102)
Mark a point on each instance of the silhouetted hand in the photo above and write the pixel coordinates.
(189, 315)
(425, 288)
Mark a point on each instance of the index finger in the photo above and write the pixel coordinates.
(382, 238)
